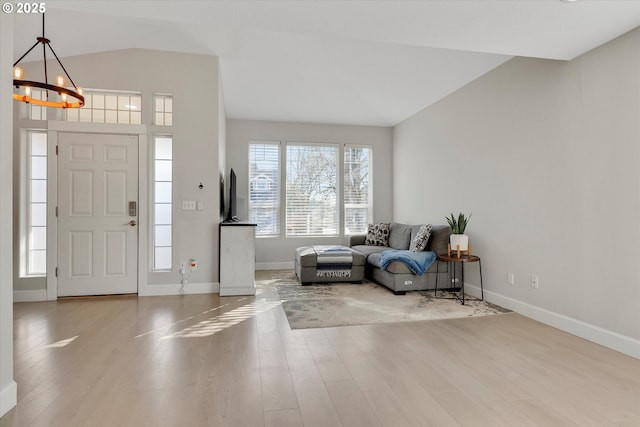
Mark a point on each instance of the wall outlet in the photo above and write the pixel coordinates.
(183, 266)
(193, 264)
(511, 279)
(534, 282)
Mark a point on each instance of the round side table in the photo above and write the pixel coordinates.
(453, 259)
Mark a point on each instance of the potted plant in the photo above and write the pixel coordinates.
(459, 241)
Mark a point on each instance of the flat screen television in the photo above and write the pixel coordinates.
(232, 213)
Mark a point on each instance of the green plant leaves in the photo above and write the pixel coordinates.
(458, 225)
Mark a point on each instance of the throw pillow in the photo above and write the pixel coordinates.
(378, 234)
(419, 242)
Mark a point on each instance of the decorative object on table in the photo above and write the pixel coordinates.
(458, 241)
(346, 304)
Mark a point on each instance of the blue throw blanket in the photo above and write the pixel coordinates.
(417, 262)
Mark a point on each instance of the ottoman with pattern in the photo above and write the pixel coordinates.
(329, 263)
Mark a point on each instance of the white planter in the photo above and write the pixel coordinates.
(461, 240)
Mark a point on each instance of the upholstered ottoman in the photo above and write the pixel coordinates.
(329, 263)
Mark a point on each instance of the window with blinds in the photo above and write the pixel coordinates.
(312, 190)
(264, 187)
(358, 206)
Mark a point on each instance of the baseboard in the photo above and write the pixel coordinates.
(175, 289)
(8, 397)
(30, 296)
(275, 265)
(596, 334)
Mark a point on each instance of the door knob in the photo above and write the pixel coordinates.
(132, 223)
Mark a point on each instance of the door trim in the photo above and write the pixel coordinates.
(55, 127)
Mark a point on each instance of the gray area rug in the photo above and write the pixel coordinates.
(343, 304)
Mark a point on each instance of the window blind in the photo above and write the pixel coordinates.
(312, 190)
(358, 204)
(264, 187)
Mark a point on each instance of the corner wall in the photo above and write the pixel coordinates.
(546, 155)
(8, 387)
(278, 252)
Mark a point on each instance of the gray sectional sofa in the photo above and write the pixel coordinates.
(397, 276)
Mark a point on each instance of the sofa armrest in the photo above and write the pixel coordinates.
(357, 240)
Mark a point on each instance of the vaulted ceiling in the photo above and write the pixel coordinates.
(352, 62)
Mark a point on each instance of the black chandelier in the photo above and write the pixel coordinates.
(67, 98)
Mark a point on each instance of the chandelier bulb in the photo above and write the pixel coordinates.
(64, 97)
(60, 81)
(27, 91)
(18, 73)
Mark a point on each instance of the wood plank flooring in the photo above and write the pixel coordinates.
(205, 360)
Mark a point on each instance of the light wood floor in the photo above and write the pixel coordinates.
(207, 360)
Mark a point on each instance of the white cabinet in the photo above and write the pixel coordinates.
(237, 258)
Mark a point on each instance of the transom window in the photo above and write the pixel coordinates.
(163, 110)
(101, 106)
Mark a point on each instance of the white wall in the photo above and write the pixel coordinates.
(8, 389)
(278, 252)
(193, 81)
(546, 155)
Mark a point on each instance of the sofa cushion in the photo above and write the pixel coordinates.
(420, 239)
(395, 267)
(367, 250)
(439, 239)
(378, 234)
(399, 236)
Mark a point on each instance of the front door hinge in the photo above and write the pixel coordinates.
(56, 211)
(57, 149)
(56, 271)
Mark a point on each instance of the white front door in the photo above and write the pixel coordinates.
(97, 214)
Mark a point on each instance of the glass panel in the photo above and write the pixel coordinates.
(87, 101)
(39, 167)
(163, 192)
(38, 214)
(168, 105)
(38, 238)
(98, 101)
(38, 191)
(163, 148)
(111, 116)
(159, 119)
(168, 119)
(162, 259)
(135, 103)
(111, 102)
(159, 104)
(136, 117)
(72, 114)
(123, 102)
(35, 113)
(85, 115)
(123, 116)
(98, 116)
(163, 213)
(38, 144)
(37, 262)
(163, 235)
(163, 170)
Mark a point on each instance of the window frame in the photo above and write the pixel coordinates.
(370, 188)
(337, 184)
(278, 202)
(154, 203)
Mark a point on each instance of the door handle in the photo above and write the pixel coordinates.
(132, 223)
